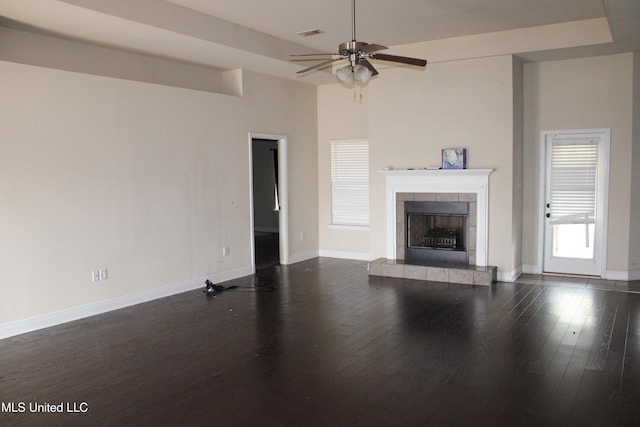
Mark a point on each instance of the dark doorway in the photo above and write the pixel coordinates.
(266, 206)
(267, 249)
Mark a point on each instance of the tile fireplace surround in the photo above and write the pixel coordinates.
(467, 185)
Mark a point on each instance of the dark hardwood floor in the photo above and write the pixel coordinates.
(332, 346)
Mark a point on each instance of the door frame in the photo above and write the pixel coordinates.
(602, 208)
(283, 197)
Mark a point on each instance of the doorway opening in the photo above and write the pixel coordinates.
(268, 201)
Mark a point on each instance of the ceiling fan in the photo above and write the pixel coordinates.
(358, 54)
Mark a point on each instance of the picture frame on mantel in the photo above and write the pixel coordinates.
(454, 158)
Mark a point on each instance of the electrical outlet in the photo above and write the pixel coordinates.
(302, 235)
(99, 274)
(225, 250)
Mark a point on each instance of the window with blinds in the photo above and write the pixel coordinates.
(573, 181)
(350, 182)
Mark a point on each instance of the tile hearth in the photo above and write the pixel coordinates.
(462, 274)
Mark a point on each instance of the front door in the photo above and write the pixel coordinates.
(576, 181)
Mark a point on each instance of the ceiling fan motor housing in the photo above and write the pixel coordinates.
(353, 46)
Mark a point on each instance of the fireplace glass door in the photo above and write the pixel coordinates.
(436, 231)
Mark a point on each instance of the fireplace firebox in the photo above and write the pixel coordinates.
(436, 231)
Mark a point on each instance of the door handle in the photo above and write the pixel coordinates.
(548, 215)
(548, 205)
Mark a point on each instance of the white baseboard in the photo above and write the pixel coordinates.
(531, 269)
(505, 276)
(304, 256)
(74, 313)
(622, 275)
(358, 256)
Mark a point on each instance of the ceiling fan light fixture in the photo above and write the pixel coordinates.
(345, 74)
(361, 73)
(349, 74)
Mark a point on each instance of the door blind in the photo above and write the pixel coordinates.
(573, 181)
(350, 182)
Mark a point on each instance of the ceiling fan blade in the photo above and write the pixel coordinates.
(319, 66)
(370, 48)
(367, 64)
(314, 54)
(401, 59)
(310, 59)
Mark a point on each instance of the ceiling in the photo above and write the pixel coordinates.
(259, 35)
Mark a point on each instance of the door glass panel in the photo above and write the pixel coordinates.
(573, 240)
(572, 198)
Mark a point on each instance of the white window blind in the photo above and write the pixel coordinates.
(573, 181)
(350, 182)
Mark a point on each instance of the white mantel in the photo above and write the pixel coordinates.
(440, 181)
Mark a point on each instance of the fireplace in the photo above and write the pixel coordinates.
(436, 231)
(450, 233)
(464, 185)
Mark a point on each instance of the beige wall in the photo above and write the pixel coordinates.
(277, 106)
(51, 52)
(634, 228)
(467, 103)
(342, 114)
(496, 107)
(518, 165)
(408, 117)
(474, 94)
(581, 94)
(148, 181)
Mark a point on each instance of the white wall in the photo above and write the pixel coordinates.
(148, 181)
(585, 93)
